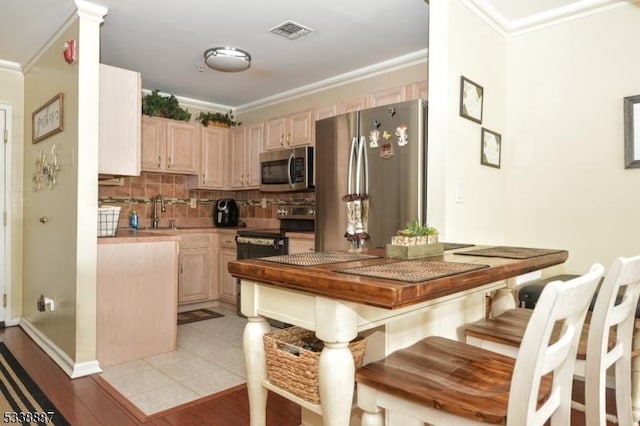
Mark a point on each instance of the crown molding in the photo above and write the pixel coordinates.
(400, 62)
(509, 28)
(10, 66)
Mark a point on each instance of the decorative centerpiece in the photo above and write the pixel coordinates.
(414, 241)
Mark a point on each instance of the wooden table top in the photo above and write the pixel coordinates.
(324, 280)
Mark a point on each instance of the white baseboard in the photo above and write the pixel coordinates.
(72, 369)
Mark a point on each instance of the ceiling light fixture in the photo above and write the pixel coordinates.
(228, 59)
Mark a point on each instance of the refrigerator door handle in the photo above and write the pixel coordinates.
(352, 154)
(363, 145)
(291, 158)
(359, 166)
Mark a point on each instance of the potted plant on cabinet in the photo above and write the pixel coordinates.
(156, 105)
(218, 119)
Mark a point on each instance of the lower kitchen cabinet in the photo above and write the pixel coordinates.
(227, 253)
(194, 269)
(301, 245)
(136, 303)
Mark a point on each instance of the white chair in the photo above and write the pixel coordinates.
(445, 382)
(606, 341)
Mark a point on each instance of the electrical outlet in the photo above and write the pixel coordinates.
(192, 203)
(264, 203)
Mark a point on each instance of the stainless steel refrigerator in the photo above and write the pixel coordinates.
(370, 175)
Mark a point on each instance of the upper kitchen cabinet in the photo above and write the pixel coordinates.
(213, 147)
(352, 105)
(319, 114)
(245, 147)
(120, 110)
(419, 90)
(170, 146)
(386, 97)
(293, 130)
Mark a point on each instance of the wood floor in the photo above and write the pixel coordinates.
(85, 401)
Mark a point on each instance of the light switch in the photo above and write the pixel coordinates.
(459, 195)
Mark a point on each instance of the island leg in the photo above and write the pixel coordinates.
(256, 368)
(337, 377)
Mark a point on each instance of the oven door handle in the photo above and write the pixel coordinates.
(274, 242)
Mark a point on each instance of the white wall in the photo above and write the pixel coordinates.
(555, 95)
(460, 43)
(12, 93)
(567, 185)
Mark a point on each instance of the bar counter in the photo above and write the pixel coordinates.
(340, 300)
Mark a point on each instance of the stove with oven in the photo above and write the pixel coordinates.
(255, 243)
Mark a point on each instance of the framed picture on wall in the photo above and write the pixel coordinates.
(471, 99)
(632, 132)
(47, 120)
(491, 147)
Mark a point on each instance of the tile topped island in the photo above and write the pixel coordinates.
(393, 302)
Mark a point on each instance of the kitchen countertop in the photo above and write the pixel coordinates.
(325, 280)
(132, 236)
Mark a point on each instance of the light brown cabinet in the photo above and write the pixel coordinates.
(245, 146)
(213, 152)
(119, 122)
(418, 90)
(386, 97)
(351, 105)
(194, 273)
(301, 245)
(227, 253)
(136, 300)
(292, 130)
(170, 146)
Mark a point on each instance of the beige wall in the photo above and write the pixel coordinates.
(567, 185)
(12, 93)
(555, 95)
(50, 249)
(462, 44)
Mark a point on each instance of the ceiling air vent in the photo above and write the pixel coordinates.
(291, 30)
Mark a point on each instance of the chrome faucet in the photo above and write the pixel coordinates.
(163, 208)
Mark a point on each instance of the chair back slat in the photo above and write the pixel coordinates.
(563, 303)
(613, 314)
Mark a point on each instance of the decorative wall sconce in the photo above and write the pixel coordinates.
(46, 170)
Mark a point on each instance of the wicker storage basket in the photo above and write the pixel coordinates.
(293, 366)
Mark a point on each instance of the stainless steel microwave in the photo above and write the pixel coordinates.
(286, 170)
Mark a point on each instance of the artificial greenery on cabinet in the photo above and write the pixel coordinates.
(227, 119)
(157, 105)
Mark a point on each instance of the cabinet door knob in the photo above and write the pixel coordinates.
(159, 161)
(44, 219)
(169, 163)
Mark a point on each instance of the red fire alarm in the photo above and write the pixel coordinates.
(70, 51)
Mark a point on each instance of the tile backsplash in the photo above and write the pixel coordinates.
(137, 193)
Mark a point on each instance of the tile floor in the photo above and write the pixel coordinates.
(209, 359)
